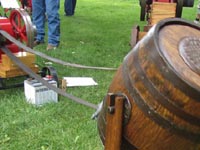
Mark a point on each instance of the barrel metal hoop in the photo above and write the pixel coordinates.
(168, 72)
(161, 98)
(153, 115)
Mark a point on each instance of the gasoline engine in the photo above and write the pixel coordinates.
(19, 26)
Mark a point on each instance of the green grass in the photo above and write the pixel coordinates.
(98, 35)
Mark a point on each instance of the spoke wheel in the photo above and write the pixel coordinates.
(22, 26)
(50, 71)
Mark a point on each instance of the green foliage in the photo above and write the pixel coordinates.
(98, 35)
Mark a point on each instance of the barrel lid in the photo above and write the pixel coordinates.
(189, 48)
(178, 43)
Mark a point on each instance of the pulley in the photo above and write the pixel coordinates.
(22, 26)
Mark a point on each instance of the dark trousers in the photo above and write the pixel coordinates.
(70, 6)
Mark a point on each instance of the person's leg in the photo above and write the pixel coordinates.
(74, 6)
(52, 10)
(198, 14)
(38, 16)
(197, 19)
(24, 3)
(68, 7)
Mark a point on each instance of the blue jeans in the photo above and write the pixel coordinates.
(70, 6)
(41, 8)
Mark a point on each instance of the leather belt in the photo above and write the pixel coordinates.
(36, 76)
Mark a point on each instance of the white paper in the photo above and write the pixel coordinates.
(79, 81)
(9, 4)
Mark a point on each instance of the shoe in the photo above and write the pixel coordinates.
(51, 47)
(36, 42)
(69, 15)
(196, 22)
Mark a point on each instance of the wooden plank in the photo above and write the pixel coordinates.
(114, 124)
(8, 73)
(163, 4)
(162, 11)
(163, 7)
(141, 35)
(25, 57)
(159, 18)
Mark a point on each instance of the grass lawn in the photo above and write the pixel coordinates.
(98, 35)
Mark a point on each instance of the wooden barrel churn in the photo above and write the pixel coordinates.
(160, 77)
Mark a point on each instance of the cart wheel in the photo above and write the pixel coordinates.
(142, 10)
(1, 83)
(188, 3)
(51, 72)
(22, 26)
(179, 8)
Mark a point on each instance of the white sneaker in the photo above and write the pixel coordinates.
(197, 22)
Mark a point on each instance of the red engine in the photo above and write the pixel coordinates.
(19, 26)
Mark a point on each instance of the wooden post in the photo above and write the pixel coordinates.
(114, 121)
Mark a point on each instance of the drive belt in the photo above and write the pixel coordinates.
(28, 49)
(38, 78)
